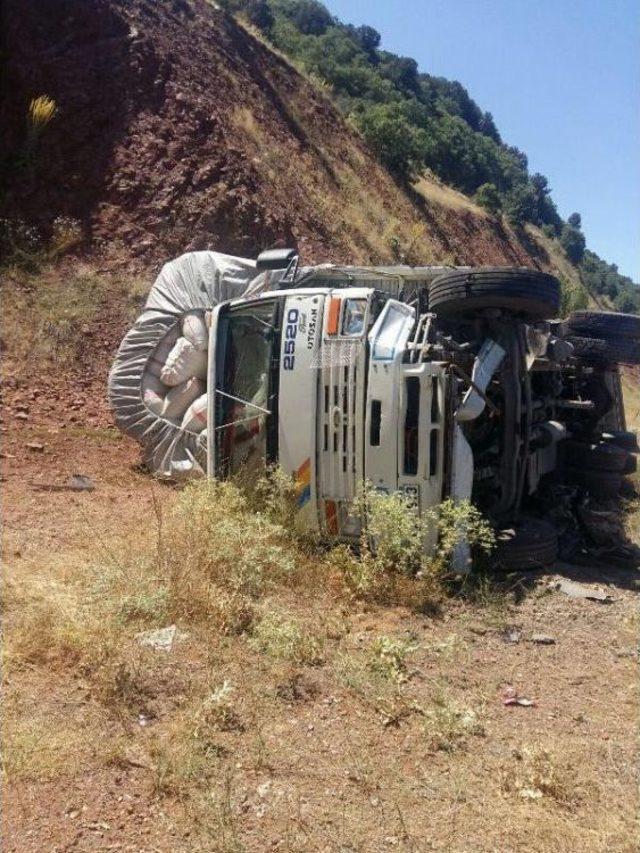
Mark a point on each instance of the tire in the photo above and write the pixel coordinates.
(595, 457)
(589, 349)
(530, 544)
(522, 291)
(626, 439)
(631, 465)
(606, 324)
(603, 484)
(602, 351)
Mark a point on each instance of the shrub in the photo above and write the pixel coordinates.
(283, 638)
(488, 198)
(395, 531)
(275, 494)
(388, 657)
(462, 521)
(217, 711)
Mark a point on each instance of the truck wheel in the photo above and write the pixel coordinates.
(606, 350)
(603, 484)
(623, 438)
(530, 544)
(595, 457)
(605, 324)
(523, 291)
(631, 465)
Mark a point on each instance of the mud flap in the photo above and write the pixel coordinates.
(461, 485)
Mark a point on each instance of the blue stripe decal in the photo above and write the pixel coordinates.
(304, 496)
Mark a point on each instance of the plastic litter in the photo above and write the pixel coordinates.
(162, 639)
(577, 590)
(543, 640)
(510, 696)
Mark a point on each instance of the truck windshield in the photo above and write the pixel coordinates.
(247, 345)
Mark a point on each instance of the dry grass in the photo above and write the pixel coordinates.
(448, 725)
(42, 111)
(48, 316)
(574, 295)
(536, 772)
(436, 192)
(295, 698)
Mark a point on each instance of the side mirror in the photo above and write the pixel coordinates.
(276, 259)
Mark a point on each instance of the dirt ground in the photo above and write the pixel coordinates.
(328, 754)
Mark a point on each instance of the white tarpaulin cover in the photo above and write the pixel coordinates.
(194, 282)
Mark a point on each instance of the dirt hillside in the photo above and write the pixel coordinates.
(177, 129)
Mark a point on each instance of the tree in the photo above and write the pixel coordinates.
(259, 14)
(521, 204)
(573, 242)
(401, 70)
(487, 126)
(575, 221)
(366, 37)
(310, 17)
(488, 197)
(545, 212)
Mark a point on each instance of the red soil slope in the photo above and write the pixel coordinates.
(179, 130)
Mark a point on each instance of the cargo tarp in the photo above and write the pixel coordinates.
(196, 281)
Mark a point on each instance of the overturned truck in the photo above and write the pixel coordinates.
(436, 382)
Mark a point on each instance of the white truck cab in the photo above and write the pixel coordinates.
(317, 381)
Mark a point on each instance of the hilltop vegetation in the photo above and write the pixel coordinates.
(604, 279)
(415, 121)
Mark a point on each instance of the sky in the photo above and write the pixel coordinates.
(562, 81)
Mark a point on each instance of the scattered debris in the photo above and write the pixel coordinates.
(543, 640)
(512, 635)
(162, 639)
(510, 697)
(578, 590)
(75, 483)
(263, 790)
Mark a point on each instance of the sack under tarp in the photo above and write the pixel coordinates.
(157, 381)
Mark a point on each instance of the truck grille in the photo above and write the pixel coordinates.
(341, 426)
